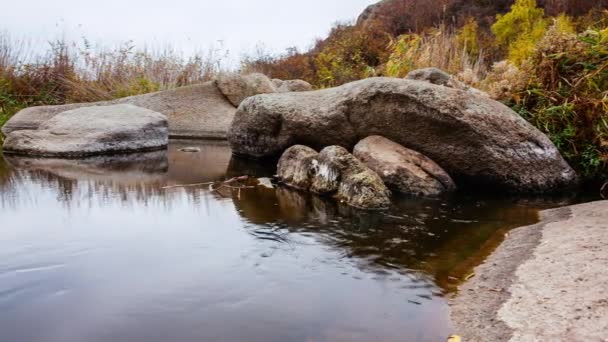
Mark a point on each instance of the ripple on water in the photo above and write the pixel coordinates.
(98, 250)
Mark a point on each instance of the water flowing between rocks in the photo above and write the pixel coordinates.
(97, 250)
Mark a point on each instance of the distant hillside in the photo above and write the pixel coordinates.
(401, 16)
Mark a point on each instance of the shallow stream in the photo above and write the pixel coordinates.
(97, 250)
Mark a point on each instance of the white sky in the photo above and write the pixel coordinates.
(187, 25)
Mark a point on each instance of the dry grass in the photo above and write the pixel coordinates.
(70, 72)
(441, 48)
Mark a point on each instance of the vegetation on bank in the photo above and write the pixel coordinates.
(547, 60)
(72, 72)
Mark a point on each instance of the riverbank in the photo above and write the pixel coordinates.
(546, 282)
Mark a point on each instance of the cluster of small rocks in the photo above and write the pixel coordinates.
(333, 172)
(363, 180)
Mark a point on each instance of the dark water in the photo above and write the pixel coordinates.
(96, 250)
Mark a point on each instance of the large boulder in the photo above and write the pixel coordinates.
(93, 131)
(333, 172)
(403, 170)
(472, 137)
(237, 87)
(197, 111)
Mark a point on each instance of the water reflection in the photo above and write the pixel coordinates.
(98, 250)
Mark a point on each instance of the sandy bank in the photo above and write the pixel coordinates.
(546, 282)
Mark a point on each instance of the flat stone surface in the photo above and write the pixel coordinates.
(546, 282)
(92, 131)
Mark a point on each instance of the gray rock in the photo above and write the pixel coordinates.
(474, 138)
(237, 87)
(402, 169)
(296, 166)
(353, 183)
(431, 75)
(93, 131)
(442, 78)
(277, 82)
(333, 172)
(197, 111)
(294, 85)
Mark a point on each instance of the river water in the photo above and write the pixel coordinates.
(98, 250)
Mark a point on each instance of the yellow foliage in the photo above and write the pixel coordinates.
(403, 52)
(523, 48)
(439, 48)
(520, 29)
(137, 86)
(468, 37)
(565, 24)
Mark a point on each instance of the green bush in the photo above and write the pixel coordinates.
(567, 97)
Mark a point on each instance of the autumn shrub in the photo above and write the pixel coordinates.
(505, 81)
(518, 30)
(567, 96)
(288, 66)
(351, 53)
(450, 50)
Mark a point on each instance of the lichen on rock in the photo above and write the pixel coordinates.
(333, 172)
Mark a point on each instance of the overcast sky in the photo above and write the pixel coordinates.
(188, 25)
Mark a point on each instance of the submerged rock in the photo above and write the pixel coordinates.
(93, 131)
(402, 169)
(333, 172)
(237, 87)
(197, 111)
(474, 138)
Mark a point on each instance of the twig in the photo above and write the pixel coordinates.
(224, 183)
(186, 185)
(604, 190)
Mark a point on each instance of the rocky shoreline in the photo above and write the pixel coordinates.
(544, 283)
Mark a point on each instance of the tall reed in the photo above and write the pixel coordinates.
(68, 71)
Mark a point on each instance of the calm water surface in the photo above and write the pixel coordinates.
(97, 250)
